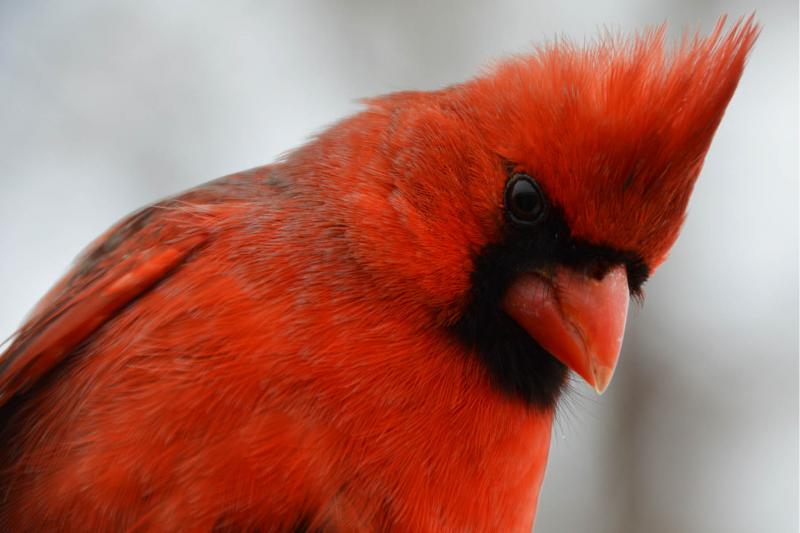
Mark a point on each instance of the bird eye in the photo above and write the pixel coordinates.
(525, 202)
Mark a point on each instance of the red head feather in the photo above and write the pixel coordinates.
(616, 133)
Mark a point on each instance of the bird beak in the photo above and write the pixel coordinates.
(576, 318)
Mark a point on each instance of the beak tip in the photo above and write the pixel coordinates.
(602, 377)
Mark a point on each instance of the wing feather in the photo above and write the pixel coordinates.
(124, 263)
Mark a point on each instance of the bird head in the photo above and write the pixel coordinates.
(527, 205)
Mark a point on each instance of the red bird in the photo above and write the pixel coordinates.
(371, 334)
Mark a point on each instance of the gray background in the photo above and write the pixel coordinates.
(108, 106)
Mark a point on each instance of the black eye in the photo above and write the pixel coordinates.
(525, 202)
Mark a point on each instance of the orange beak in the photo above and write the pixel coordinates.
(577, 319)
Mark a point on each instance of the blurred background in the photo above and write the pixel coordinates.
(107, 106)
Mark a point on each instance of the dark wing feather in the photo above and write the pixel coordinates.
(122, 265)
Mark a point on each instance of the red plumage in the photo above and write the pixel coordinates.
(273, 349)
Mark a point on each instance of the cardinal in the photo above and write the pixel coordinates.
(373, 333)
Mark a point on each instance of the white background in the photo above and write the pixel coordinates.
(106, 106)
